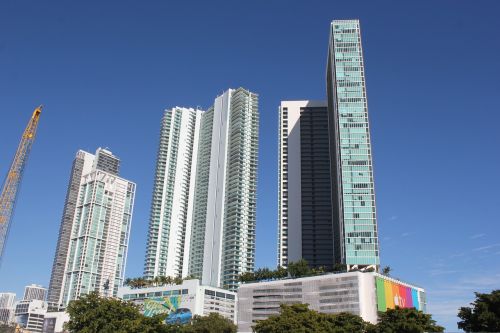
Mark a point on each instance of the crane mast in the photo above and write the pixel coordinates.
(12, 182)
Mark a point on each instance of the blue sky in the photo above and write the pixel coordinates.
(106, 70)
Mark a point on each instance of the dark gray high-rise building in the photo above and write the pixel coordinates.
(305, 213)
(108, 162)
(326, 197)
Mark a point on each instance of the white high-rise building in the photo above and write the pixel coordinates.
(93, 238)
(34, 291)
(208, 161)
(173, 194)
(304, 203)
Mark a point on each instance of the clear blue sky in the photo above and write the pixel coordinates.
(105, 71)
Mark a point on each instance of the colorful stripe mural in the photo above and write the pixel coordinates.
(391, 294)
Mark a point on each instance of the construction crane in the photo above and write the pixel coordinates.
(10, 187)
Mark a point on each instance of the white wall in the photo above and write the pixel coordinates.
(216, 192)
(294, 175)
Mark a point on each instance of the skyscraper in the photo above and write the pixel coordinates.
(170, 223)
(305, 212)
(93, 237)
(353, 192)
(210, 165)
(224, 230)
(326, 196)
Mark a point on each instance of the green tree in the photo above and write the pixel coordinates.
(94, 314)
(160, 280)
(298, 318)
(157, 281)
(263, 274)
(190, 277)
(213, 323)
(337, 268)
(299, 268)
(127, 282)
(246, 277)
(6, 328)
(386, 270)
(348, 322)
(406, 320)
(483, 316)
(280, 272)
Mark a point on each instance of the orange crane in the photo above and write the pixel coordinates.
(10, 188)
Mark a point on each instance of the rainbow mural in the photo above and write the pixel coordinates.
(391, 294)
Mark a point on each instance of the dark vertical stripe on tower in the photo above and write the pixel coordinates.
(336, 174)
(58, 267)
(317, 232)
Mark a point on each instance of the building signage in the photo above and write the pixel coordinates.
(391, 294)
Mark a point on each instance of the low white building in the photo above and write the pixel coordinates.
(54, 322)
(30, 314)
(183, 301)
(363, 294)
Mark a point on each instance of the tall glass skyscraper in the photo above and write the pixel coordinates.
(353, 192)
(326, 194)
(93, 238)
(207, 171)
(170, 223)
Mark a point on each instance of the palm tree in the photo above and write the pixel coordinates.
(127, 282)
(133, 283)
(157, 281)
(160, 280)
(386, 270)
(177, 280)
(142, 282)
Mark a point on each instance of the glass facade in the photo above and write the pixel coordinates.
(304, 202)
(203, 210)
(223, 236)
(238, 249)
(316, 213)
(353, 197)
(171, 205)
(99, 235)
(201, 194)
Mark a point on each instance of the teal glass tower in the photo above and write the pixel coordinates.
(352, 184)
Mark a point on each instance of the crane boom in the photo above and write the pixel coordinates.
(10, 188)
